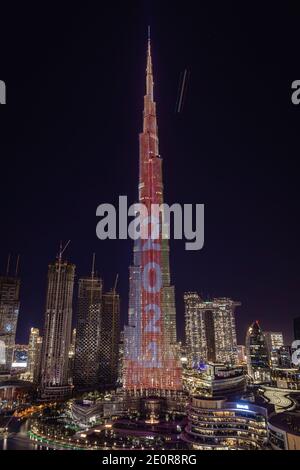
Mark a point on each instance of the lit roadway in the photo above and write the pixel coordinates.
(279, 398)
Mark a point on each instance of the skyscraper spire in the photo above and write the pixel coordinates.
(149, 75)
(93, 265)
(150, 133)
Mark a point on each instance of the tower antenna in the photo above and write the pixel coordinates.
(149, 33)
(62, 249)
(17, 265)
(116, 282)
(8, 264)
(93, 265)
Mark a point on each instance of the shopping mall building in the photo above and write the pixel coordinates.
(218, 424)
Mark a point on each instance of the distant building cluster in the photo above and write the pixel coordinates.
(141, 387)
(63, 358)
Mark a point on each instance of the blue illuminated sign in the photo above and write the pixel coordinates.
(242, 407)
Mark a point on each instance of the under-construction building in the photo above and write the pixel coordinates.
(57, 331)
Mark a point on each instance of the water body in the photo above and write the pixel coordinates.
(18, 438)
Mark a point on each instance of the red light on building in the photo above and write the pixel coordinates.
(151, 361)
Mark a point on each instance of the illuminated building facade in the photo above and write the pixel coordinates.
(34, 354)
(87, 411)
(195, 329)
(257, 354)
(274, 342)
(9, 312)
(241, 351)
(286, 378)
(284, 356)
(72, 356)
(87, 357)
(297, 328)
(210, 330)
(284, 431)
(109, 338)
(151, 362)
(72, 344)
(97, 335)
(223, 425)
(121, 359)
(32, 351)
(57, 330)
(215, 380)
(225, 330)
(20, 358)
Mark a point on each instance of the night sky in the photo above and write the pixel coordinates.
(75, 82)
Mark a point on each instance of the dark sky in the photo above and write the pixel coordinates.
(69, 142)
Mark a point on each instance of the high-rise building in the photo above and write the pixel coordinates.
(72, 356)
(284, 357)
(297, 328)
(121, 359)
(225, 330)
(57, 330)
(9, 312)
(34, 354)
(72, 344)
(87, 350)
(151, 362)
(109, 338)
(257, 354)
(274, 342)
(210, 330)
(37, 368)
(195, 330)
(20, 358)
(215, 380)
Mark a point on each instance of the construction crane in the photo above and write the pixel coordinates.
(116, 282)
(114, 292)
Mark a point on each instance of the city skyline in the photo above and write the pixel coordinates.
(254, 258)
(171, 324)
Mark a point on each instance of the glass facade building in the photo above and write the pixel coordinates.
(87, 346)
(274, 342)
(57, 331)
(34, 353)
(151, 362)
(257, 354)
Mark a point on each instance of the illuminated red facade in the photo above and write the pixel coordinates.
(151, 359)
